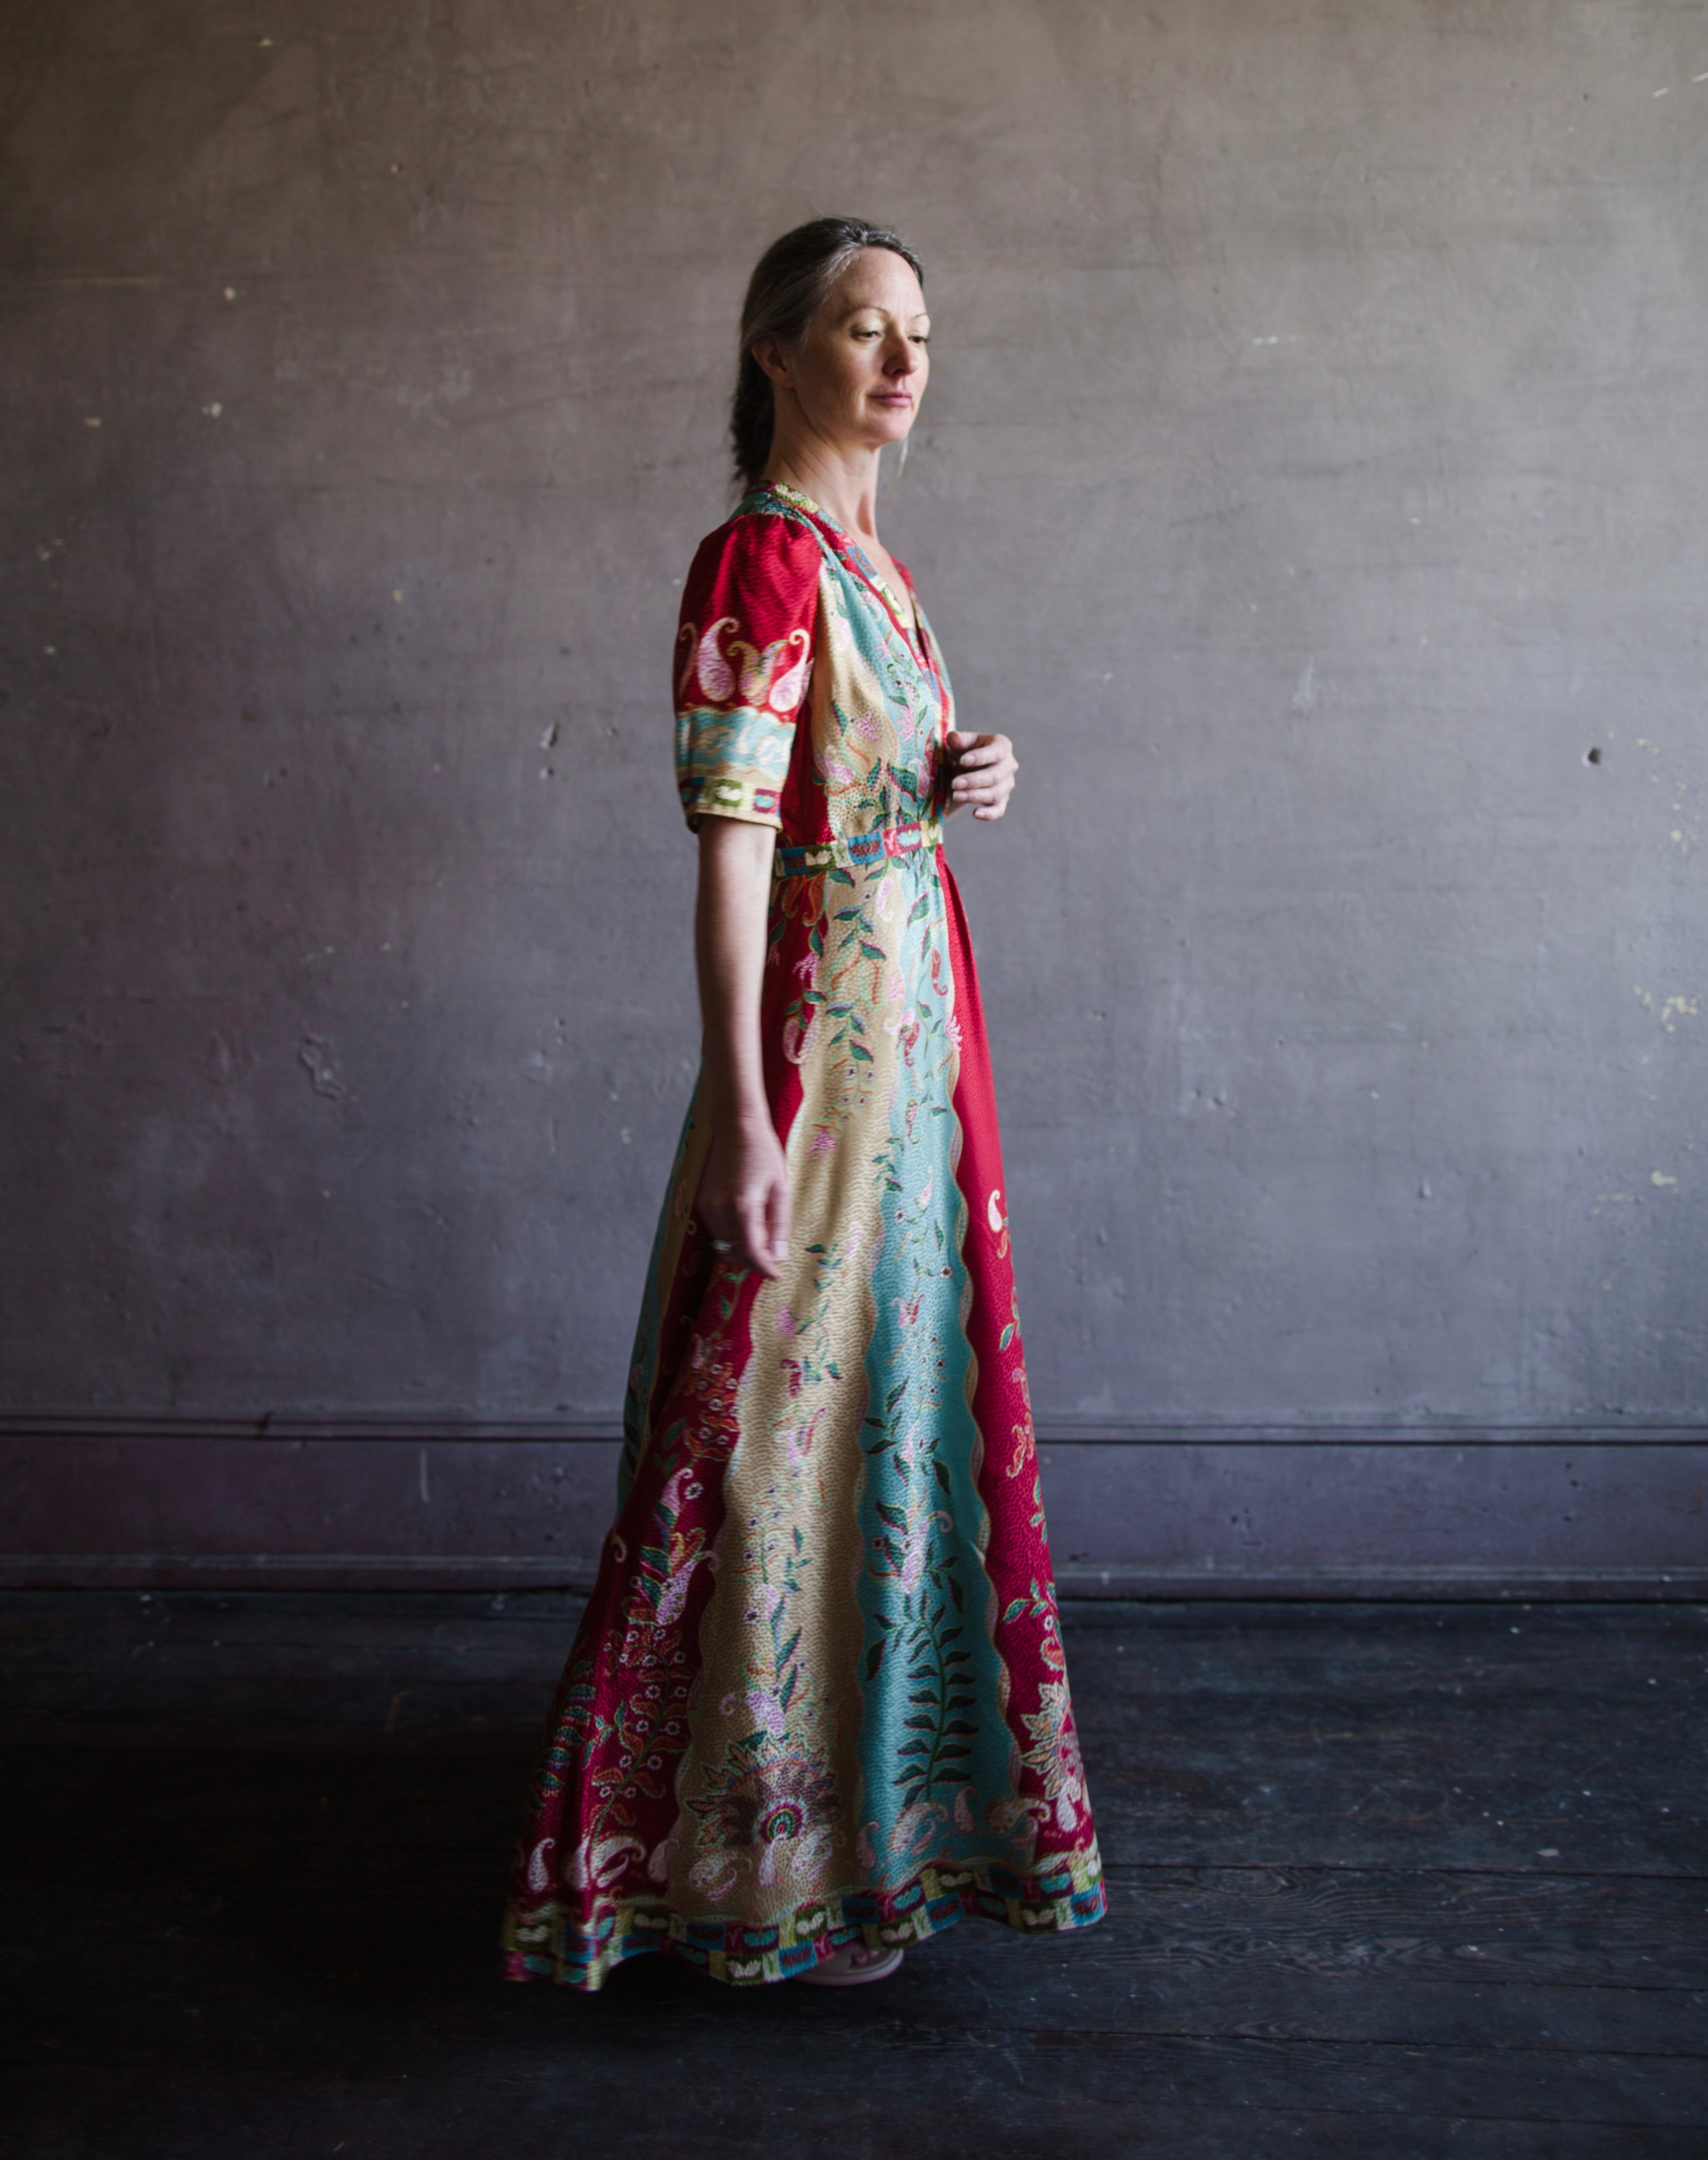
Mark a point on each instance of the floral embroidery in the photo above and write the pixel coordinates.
(1054, 1754)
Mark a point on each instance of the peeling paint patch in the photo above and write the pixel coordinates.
(315, 1055)
(1672, 1010)
(1660, 1177)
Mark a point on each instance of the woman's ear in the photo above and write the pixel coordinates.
(774, 360)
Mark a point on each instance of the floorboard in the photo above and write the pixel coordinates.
(1389, 1881)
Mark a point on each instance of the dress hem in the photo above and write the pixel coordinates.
(546, 1941)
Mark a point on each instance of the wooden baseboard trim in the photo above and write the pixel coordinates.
(464, 1429)
(1192, 1519)
(215, 1572)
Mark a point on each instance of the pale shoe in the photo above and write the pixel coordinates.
(852, 1966)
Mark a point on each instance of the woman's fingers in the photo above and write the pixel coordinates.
(981, 751)
(737, 1230)
(754, 1245)
(985, 772)
(776, 1220)
(743, 1203)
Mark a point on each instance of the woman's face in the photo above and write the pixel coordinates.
(860, 370)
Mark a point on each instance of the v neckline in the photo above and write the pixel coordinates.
(798, 499)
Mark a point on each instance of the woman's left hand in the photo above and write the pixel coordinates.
(985, 769)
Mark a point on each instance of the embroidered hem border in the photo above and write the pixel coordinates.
(545, 1942)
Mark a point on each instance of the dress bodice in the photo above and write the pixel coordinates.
(810, 693)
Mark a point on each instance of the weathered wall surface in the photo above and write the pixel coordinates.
(1310, 482)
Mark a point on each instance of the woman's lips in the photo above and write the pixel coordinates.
(894, 397)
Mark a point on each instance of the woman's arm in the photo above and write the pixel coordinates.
(744, 1197)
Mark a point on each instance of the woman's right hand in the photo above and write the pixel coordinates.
(744, 1197)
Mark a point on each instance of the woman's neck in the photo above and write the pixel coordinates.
(844, 483)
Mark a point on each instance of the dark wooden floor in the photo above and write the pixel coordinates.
(1387, 1881)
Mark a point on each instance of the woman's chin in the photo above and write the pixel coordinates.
(887, 429)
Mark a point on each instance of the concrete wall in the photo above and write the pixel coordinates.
(1311, 482)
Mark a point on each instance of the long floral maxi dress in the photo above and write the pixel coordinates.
(818, 1695)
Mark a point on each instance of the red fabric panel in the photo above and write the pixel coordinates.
(1018, 1556)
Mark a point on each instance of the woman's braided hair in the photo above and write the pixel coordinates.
(790, 283)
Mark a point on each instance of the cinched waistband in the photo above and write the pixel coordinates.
(859, 851)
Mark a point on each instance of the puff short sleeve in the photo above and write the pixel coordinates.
(744, 653)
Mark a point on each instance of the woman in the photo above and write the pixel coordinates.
(818, 1708)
